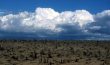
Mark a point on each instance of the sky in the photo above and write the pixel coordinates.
(93, 6)
(55, 19)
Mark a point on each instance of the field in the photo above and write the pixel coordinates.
(43, 52)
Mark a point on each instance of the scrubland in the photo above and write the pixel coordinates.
(45, 52)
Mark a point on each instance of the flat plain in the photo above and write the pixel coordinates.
(47, 52)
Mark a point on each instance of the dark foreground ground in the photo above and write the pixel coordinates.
(54, 52)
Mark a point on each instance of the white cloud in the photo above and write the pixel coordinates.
(45, 19)
(48, 21)
(103, 14)
(45, 13)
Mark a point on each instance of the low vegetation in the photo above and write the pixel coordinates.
(43, 52)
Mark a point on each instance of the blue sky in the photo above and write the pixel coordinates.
(55, 19)
(93, 6)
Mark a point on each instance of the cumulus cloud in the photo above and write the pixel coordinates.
(44, 18)
(101, 24)
(46, 22)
